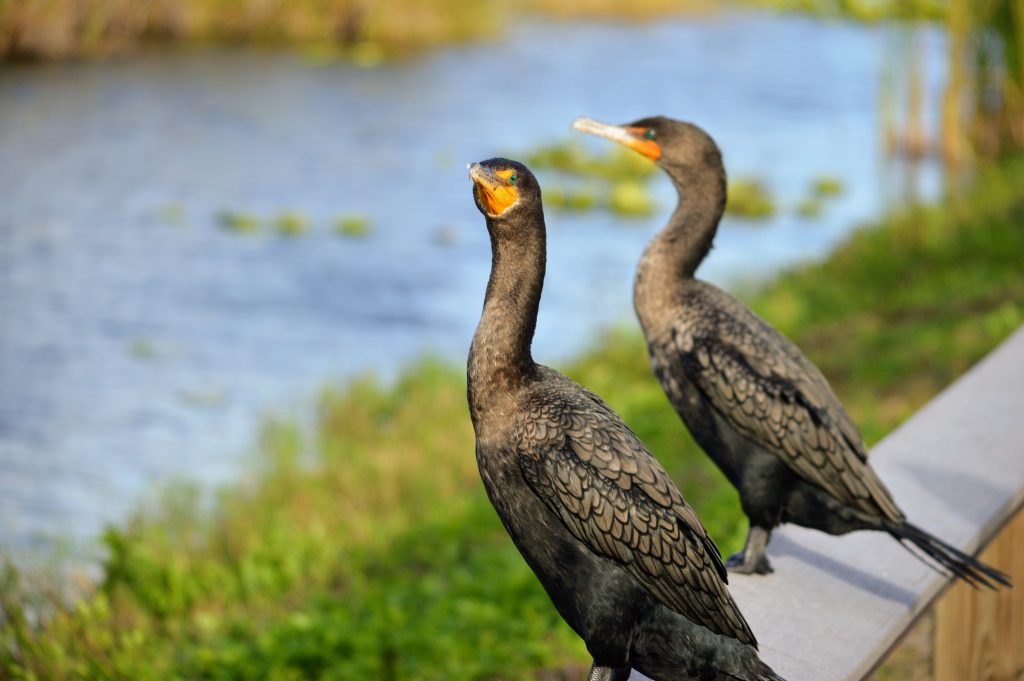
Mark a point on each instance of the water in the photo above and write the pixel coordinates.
(142, 342)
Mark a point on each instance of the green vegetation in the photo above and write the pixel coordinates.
(353, 226)
(827, 185)
(580, 200)
(810, 207)
(617, 164)
(821, 189)
(242, 223)
(631, 199)
(750, 198)
(923, 298)
(615, 180)
(366, 33)
(860, 10)
(983, 109)
(291, 224)
(367, 549)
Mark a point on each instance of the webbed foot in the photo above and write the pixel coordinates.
(752, 560)
(737, 563)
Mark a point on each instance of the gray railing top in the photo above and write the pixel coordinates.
(836, 605)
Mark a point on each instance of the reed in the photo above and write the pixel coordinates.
(983, 107)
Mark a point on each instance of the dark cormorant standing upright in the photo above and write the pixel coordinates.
(624, 559)
(759, 408)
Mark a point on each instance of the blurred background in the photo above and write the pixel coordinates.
(240, 267)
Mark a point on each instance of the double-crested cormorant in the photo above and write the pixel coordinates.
(759, 408)
(624, 559)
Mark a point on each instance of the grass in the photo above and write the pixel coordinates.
(365, 548)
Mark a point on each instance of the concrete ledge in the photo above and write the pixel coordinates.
(836, 605)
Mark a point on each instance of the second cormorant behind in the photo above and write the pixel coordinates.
(759, 408)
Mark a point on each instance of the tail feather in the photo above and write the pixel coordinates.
(948, 559)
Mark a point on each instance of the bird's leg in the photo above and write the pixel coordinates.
(607, 673)
(751, 560)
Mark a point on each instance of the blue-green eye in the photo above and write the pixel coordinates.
(649, 134)
(512, 178)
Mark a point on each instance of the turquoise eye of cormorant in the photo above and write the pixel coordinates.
(512, 178)
(649, 134)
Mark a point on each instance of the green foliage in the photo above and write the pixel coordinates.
(367, 548)
(750, 198)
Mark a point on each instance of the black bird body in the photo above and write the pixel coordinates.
(757, 406)
(624, 559)
(831, 488)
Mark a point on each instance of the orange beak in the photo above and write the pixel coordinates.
(630, 137)
(493, 190)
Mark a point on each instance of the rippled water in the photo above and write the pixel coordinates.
(140, 341)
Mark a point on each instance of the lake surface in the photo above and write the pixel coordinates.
(140, 341)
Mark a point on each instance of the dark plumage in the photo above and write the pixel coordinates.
(624, 559)
(759, 408)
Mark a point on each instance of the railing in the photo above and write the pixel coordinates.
(835, 606)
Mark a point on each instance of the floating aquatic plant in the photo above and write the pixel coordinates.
(827, 185)
(353, 226)
(750, 198)
(630, 198)
(580, 200)
(292, 224)
(243, 223)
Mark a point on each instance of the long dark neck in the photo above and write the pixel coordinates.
(674, 254)
(500, 358)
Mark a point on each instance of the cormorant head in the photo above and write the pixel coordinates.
(680, 148)
(504, 189)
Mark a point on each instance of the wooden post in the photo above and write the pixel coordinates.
(979, 634)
